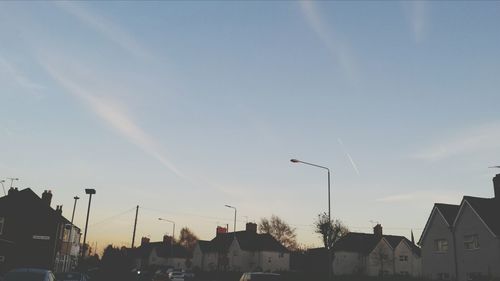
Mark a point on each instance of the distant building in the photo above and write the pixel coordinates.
(160, 255)
(32, 234)
(241, 251)
(462, 242)
(376, 254)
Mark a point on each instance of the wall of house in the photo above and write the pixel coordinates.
(177, 263)
(210, 261)
(273, 261)
(412, 264)
(434, 263)
(239, 260)
(381, 259)
(348, 263)
(197, 257)
(486, 259)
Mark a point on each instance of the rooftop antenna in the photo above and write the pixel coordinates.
(12, 180)
(494, 167)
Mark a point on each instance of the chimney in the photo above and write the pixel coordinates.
(47, 197)
(220, 230)
(496, 186)
(144, 241)
(377, 230)
(59, 210)
(251, 227)
(12, 191)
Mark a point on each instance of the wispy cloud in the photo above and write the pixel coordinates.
(353, 164)
(113, 114)
(107, 28)
(418, 16)
(20, 78)
(482, 138)
(338, 48)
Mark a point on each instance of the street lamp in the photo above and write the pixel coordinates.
(70, 242)
(234, 217)
(90, 192)
(329, 210)
(173, 237)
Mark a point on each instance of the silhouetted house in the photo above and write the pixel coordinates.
(376, 254)
(32, 234)
(317, 261)
(160, 255)
(462, 242)
(242, 251)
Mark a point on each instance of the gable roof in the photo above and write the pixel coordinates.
(447, 211)
(27, 197)
(364, 243)
(488, 210)
(248, 241)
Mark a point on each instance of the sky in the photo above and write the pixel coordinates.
(183, 107)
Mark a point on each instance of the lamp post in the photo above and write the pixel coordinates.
(70, 241)
(90, 192)
(329, 211)
(234, 229)
(173, 237)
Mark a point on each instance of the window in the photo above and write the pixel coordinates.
(2, 259)
(441, 245)
(471, 242)
(403, 258)
(281, 255)
(443, 276)
(2, 222)
(405, 273)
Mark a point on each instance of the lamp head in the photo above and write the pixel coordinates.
(294, 160)
(89, 191)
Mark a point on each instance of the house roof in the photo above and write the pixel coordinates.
(365, 242)
(248, 241)
(488, 210)
(27, 197)
(164, 250)
(448, 211)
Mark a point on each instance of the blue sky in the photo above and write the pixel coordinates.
(182, 107)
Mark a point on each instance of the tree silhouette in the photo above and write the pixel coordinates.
(280, 230)
(187, 239)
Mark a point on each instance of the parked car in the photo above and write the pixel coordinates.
(176, 276)
(29, 274)
(188, 275)
(260, 276)
(71, 276)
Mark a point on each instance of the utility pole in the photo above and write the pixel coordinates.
(135, 225)
(90, 192)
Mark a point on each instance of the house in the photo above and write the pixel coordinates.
(462, 242)
(33, 234)
(242, 251)
(161, 255)
(376, 254)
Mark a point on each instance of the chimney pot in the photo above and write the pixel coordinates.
(47, 197)
(144, 241)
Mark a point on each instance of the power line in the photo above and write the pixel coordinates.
(113, 216)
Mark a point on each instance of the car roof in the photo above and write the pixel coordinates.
(36, 270)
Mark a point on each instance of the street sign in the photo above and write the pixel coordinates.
(41, 237)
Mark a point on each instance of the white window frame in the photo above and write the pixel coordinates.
(2, 224)
(441, 245)
(471, 242)
(403, 258)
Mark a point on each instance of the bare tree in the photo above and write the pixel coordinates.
(330, 231)
(280, 230)
(188, 239)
